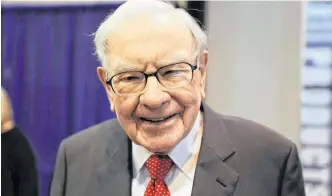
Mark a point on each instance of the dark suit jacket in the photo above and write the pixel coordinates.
(237, 157)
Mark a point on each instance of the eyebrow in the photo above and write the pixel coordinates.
(176, 59)
(123, 68)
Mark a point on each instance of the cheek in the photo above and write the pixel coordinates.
(190, 99)
(192, 102)
(124, 107)
(188, 96)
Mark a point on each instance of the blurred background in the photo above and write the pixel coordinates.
(270, 62)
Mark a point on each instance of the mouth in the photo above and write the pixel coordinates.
(157, 120)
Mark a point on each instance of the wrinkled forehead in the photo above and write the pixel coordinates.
(146, 40)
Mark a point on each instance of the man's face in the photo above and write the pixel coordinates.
(143, 45)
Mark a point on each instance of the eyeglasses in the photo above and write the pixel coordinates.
(170, 76)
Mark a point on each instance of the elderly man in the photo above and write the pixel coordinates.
(166, 140)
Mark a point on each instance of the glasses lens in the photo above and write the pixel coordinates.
(128, 83)
(176, 75)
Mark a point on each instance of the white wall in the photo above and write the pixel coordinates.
(255, 62)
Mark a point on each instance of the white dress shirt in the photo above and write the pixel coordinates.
(180, 178)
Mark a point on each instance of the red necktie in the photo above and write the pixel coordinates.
(158, 167)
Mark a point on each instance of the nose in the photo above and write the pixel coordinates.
(153, 96)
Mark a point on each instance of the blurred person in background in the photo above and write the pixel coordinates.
(166, 140)
(18, 164)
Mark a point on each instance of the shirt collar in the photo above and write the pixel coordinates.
(179, 154)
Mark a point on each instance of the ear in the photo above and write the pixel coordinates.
(203, 68)
(102, 73)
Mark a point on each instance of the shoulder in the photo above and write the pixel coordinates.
(252, 137)
(94, 132)
(93, 137)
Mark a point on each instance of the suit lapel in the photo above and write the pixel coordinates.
(114, 174)
(213, 176)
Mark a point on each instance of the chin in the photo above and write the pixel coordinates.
(162, 143)
(161, 147)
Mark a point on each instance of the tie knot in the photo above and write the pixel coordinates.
(158, 166)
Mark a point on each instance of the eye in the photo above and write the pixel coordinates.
(131, 78)
(173, 72)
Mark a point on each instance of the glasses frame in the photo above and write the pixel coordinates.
(155, 74)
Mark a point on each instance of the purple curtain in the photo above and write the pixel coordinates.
(49, 70)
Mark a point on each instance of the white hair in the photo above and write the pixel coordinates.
(133, 8)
